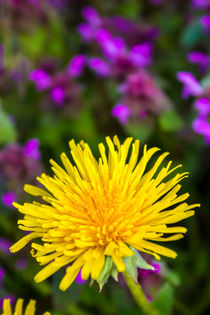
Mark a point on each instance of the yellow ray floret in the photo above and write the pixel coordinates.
(94, 209)
(30, 308)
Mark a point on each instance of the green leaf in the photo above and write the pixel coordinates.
(129, 9)
(164, 301)
(33, 43)
(141, 130)
(193, 34)
(173, 277)
(7, 129)
(88, 132)
(170, 121)
(205, 82)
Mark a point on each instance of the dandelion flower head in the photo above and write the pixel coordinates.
(97, 216)
(30, 308)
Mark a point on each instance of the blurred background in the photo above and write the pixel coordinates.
(85, 70)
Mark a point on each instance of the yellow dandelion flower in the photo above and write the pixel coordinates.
(97, 215)
(30, 308)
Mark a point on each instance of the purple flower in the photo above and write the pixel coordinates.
(205, 22)
(191, 85)
(8, 198)
(21, 264)
(76, 66)
(2, 274)
(203, 106)
(151, 280)
(157, 268)
(31, 149)
(91, 16)
(5, 245)
(57, 4)
(86, 31)
(122, 60)
(141, 54)
(201, 59)
(143, 96)
(112, 46)
(99, 66)
(58, 95)
(18, 168)
(156, 2)
(145, 273)
(79, 279)
(41, 79)
(201, 4)
(122, 112)
(201, 124)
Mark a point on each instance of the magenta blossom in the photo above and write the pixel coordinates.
(58, 95)
(61, 85)
(93, 22)
(151, 281)
(142, 96)
(205, 22)
(79, 279)
(120, 60)
(156, 2)
(201, 4)
(114, 49)
(131, 31)
(21, 264)
(8, 198)
(92, 16)
(122, 112)
(101, 67)
(191, 85)
(41, 79)
(5, 244)
(201, 59)
(76, 66)
(20, 164)
(31, 149)
(201, 124)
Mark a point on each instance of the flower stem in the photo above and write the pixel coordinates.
(139, 296)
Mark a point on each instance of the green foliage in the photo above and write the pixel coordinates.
(164, 300)
(170, 121)
(193, 34)
(141, 130)
(7, 129)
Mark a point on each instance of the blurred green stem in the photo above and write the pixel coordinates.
(139, 296)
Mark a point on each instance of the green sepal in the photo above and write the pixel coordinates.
(106, 272)
(140, 262)
(114, 273)
(131, 266)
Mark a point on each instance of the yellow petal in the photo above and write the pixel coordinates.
(71, 273)
(118, 263)
(36, 191)
(7, 307)
(23, 241)
(19, 307)
(30, 309)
